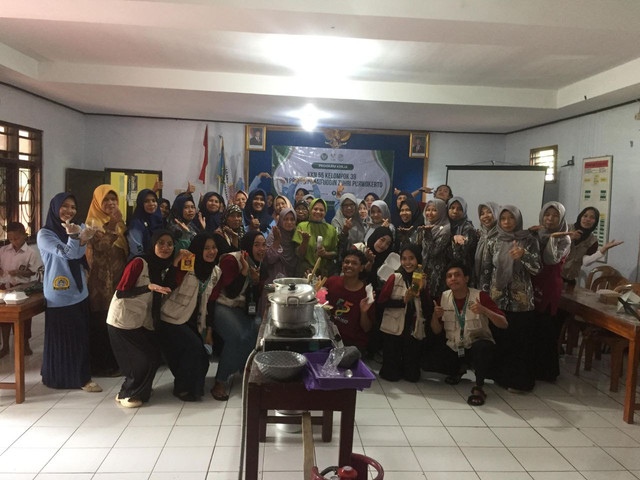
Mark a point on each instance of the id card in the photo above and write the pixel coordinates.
(187, 264)
(461, 352)
(251, 308)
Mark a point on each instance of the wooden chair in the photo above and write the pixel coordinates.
(593, 338)
(626, 287)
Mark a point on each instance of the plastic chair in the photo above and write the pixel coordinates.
(624, 288)
(601, 271)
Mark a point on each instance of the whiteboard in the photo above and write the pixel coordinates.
(522, 186)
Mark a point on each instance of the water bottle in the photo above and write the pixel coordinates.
(319, 241)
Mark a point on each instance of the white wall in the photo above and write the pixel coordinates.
(462, 149)
(606, 133)
(173, 146)
(63, 138)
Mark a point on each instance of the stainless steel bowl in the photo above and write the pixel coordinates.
(280, 364)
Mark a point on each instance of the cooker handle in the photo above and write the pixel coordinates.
(293, 298)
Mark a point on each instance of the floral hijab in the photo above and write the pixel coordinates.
(98, 217)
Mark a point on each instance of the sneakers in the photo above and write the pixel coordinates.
(129, 402)
(92, 387)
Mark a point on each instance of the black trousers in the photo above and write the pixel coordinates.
(138, 355)
(547, 333)
(103, 362)
(479, 357)
(400, 357)
(514, 361)
(188, 361)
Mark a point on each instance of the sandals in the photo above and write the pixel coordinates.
(129, 402)
(92, 387)
(477, 397)
(220, 397)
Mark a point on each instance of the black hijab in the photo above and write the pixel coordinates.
(417, 218)
(161, 272)
(395, 211)
(211, 220)
(202, 269)
(586, 231)
(263, 216)
(54, 223)
(417, 251)
(178, 207)
(382, 256)
(146, 222)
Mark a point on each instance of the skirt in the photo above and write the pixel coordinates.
(514, 360)
(65, 360)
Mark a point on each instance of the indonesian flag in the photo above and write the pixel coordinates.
(205, 160)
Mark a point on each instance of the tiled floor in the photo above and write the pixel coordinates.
(569, 430)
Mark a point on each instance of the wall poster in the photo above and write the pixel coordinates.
(595, 191)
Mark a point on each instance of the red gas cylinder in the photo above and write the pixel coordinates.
(347, 472)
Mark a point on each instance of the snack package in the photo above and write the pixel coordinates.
(187, 264)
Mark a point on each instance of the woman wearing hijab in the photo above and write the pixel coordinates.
(255, 214)
(240, 199)
(231, 230)
(164, 206)
(348, 225)
(281, 257)
(483, 265)
(516, 258)
(380, 217)
(369, 198)
(302, 211)
(435, 238)
(547, 287)
(307, 238)
(183, 318)
(279, 202)
(236, 307)
(62, 245)
(584, 245)
(410, 218)
(403, 321)
(145, 221)
(134, 310)
(463, 235)
(181, 224)
(107, 254)
(210, 211)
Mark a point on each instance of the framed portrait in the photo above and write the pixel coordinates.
(256, 137)
(419, 145)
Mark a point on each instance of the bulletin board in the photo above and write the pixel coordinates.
(595, 191)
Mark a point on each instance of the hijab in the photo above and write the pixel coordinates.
(161, 271)
(246, 244)
(263, 216)
(177, 209)
(586, 231)
(202, 269)
(384, 208)
(162, 201)
(486, 233)
(544, 234)
(98, 217)
(395, 213)
(441, 226)
(211, 220)
(54, 223)
(288, 253)
(357, 231)
(456, 225)
(506, 265)
(304, 204)
(374, 195)
(380, 257)
(148, 222)
(417, 251)
(316, 229)
(416, 219)
(286, 201)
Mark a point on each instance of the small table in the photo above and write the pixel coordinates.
(17, 315)
(585, 303)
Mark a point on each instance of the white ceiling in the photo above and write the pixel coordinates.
(456, 65)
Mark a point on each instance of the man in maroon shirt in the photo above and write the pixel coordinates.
(466, 314)
(352, 313)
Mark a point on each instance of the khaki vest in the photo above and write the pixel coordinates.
(133, 312)
(393, 318)
(573, 263)
(179, 304)
(239, 301)
(476, 326)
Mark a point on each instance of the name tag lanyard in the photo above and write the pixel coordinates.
(461, 320)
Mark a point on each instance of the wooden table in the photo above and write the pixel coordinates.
(17, 315)
(585, 303)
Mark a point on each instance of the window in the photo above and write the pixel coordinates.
(20, 171)
(545, 157)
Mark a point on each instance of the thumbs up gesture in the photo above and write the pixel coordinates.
(255, 223)
(516, 252)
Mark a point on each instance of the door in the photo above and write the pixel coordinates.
(127, 184)
(82, 183)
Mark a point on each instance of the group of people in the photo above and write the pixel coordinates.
(178, 280)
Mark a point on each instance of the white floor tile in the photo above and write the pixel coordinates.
(184, 459)
(394, 458)
(17, 476)
(154, 417)
(25, 460)
(616, 475)
(557, 476)
(451, 475)
(232, 416)
(225, 459)
(543, 418)
(76, 460)
(417, 417)
(121, 476)
(460, 418)
(402, 400)
(609, 437)
(374, 416)
(44, 437)
(502, 417)
(429, 437)
(187, 436)
(520, 437)
(143, 436)
(564, 437)
(282, 475)
(130, 460)
(382, 436)
(442, 459)
(64, 417)
(541, 459)
(94, 437)
(200, 416)
(589, 458)
(64, 476)
(372, 400)
(474, 437)
(628, 457)
(178, 476)
(504, 476)
(18, 415)
(448, 402)
(585, 419)
(9, 434)
(496, 459)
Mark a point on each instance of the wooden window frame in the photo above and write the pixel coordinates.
(10, 159)
(533, 155)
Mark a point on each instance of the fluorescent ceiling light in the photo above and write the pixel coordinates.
(309, 116)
